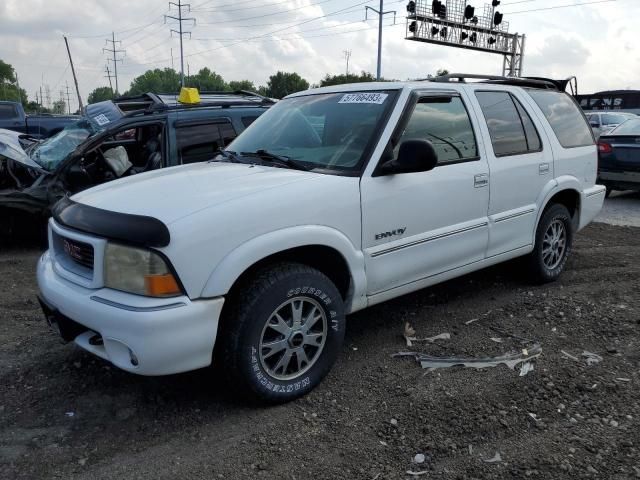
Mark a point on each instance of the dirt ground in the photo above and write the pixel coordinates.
(65, 414)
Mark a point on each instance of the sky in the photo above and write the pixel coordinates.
(252, 39)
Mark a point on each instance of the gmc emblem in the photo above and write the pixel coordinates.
(72, 250)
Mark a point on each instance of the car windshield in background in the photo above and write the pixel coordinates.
(326, 131)
(49, 153)
(630, 127)
(614, 118)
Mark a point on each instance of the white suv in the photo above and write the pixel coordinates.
(334, 200)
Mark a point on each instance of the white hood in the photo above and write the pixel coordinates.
(170, 194)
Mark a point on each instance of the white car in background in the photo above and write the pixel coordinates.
(602, 122)
(334, 200)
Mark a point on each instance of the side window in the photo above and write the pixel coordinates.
(246, 121)
(446, 124)
(503, 120)
(564, 116)
(227, 132)
(8, 111)
(533, 139)
(197, 143)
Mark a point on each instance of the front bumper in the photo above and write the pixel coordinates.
(147, 336)
(591, 202)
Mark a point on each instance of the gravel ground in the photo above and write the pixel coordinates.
(65, 414)
(621, 208)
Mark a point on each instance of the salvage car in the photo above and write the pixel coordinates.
(619, 157)
(13, 117)
(106, 144)
(336, 199)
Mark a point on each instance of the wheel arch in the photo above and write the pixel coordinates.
(565, 192)
(323, 248)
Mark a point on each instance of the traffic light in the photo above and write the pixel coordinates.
(495, 3)
(491, 41)
(443, 32)
(469, 12)
(411, 7)
(439, 9)
(434, 31)
(464, 36)
(473, 38)
(412, 27)
(497, 18)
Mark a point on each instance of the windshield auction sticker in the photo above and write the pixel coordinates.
(101, 119)
(376, 98)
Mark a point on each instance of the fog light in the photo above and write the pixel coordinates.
(133, 358)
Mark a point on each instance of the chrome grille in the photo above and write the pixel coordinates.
(79, 252)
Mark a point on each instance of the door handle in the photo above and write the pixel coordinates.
(544, 168)
(481, 180)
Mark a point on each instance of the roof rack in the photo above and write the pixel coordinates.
(152, 102)
(532, 82)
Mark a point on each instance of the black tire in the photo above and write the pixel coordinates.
(244, 327)
(539, 269)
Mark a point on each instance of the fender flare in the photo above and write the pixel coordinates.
(559, 184)
(236, 262)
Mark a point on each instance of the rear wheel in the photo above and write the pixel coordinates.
(554, 237)
(282, 332)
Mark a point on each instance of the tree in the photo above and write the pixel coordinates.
(242, 85)
(206, 80)
(283, 83)
(100, 94)
(59, 107)
(156, 81)
(9, 85)
(351, 78)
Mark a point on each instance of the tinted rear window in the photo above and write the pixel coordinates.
(613, 119)
(505, 126)
(565, 118)
(8, 111)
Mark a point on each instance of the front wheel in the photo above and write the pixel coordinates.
(282, 332)
(554, 238)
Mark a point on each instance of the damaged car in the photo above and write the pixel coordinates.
(114, 140)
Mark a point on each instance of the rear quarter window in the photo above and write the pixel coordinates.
(565, 118)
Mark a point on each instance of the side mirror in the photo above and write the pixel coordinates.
(413, 156)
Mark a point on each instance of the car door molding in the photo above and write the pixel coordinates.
(431, 238)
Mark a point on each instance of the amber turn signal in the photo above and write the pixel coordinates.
(161, 285)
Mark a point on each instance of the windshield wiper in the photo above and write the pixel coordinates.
(228, 156)
(277, 159)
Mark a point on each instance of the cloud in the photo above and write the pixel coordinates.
(235, 42)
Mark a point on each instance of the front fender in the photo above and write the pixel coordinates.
(244, 256)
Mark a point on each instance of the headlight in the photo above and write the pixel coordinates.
(139, 271)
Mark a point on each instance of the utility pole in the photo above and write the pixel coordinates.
(18, 85)
(381, 13)
(172, 68)
(47, 95)
(106, 69)
(180, 32)
(68, 99)
(347, 56)
(41, 100)
(114, 52)
(75, 78)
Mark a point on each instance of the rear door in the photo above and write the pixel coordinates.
(520, 166)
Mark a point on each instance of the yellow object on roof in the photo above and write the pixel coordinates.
(189, 95)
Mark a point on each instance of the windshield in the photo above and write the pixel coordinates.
(50, 152)
(330, 131)
(630, 127)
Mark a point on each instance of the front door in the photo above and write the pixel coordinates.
(416, 225)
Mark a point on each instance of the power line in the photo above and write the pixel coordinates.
(115, 59)
(560, 6)
(381, 13)
(180, 32)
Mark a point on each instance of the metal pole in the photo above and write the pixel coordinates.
(115, 64)
(181, 52)
(75, 79)
(68, 99)
(380, 15)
